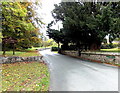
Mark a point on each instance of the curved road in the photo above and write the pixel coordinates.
(72, 74)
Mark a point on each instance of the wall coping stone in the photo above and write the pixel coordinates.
(97, 53)
(101, 54)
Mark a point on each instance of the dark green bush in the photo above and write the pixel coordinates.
(116, 45)
(54, 49)
(66, 47)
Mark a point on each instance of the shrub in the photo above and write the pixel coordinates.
(108, 46)
(116, 45)
(37, 45)
(54, 49)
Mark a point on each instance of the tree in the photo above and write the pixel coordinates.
(17, 23)
(56, 35)
(1, 37)
(87, 23)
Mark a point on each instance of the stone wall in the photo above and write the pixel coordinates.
(21, 59)
(99, 57)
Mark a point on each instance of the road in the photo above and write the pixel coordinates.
(72, 74)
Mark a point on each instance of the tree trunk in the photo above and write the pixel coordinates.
(13, 49)
(59, 51)
(95, 46)
(4, 51)
(58, 45)
(79, 52)
(79, 48)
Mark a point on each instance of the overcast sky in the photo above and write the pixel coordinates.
(47, 7)
(45, 13)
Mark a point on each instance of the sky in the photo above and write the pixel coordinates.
(47, 7)
(45, 13)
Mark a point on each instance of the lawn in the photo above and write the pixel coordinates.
(24, 53)
(21, 53)
(25, 76)
(34, 48)
(111, 50)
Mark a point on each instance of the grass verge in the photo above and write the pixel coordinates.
(25, 76)
(111, 50)
(21, 53)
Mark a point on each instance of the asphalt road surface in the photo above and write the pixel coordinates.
(72, 74)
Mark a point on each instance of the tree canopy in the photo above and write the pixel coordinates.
(87, 23)
(18, 22)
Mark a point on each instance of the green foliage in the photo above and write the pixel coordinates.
(109, 46)
(17, 23)
(86, 23)
(46, 43)
(1, 37)
(55, 34)
(54, 49)
(54, 44)
(117, 39)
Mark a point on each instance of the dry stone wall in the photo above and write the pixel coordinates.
(21, 59)
(105, 58)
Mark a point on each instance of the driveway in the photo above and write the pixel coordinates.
(73, 74)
